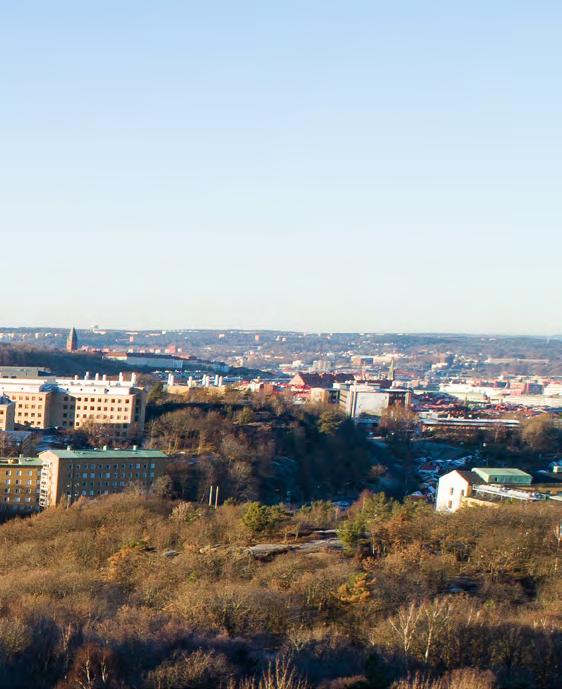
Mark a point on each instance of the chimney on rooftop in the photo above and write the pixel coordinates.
(134, 448)
(87, 375)
(69, 448)
(104, 448)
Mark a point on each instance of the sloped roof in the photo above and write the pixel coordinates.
(470, 476)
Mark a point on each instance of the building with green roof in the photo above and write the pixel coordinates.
(504, 476)
(68, 475)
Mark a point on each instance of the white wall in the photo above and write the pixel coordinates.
(450, 491)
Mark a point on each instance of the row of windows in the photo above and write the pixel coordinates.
(123, 425)
(17, 482)
(87, 415)
(93, 408)
(115, 466)
(17, 490)
(19, 472)
(108, 475)
(17, 499)
(99, 400)
(107, 483)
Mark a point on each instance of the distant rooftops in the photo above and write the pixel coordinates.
(97, 385)
(320, 380)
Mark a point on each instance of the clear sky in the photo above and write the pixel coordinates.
(318, 164)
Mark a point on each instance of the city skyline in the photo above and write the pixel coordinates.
(314, 168)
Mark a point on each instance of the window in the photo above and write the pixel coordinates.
(451, 491)
(450, 504)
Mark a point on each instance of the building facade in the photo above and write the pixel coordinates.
(68, 475)
(20, 484)
(72, 403)
(371, 400)
(7, 414)
(482, 486)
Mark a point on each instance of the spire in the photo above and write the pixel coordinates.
(71, 341)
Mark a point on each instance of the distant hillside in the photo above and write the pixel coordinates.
(62, 363)
(57, 361)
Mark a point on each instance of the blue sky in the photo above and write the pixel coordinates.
(312, 165)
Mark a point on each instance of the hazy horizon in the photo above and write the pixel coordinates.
(304, 166)
(286, 330)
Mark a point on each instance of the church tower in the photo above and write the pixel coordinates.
(71, 341)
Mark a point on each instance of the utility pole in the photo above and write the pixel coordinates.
(214, 503)
(558, 535)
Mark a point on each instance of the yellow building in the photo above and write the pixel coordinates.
(72, 403)
(20, 484)
(7, 414)
(70, 474)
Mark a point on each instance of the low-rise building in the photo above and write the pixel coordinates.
(504, 476)
(486, 486)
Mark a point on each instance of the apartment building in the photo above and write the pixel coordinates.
(20, 484)
(71, 403)
(68, 475)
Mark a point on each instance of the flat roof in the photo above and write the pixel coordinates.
(502, 471)
(108, 454)
(20, 461)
